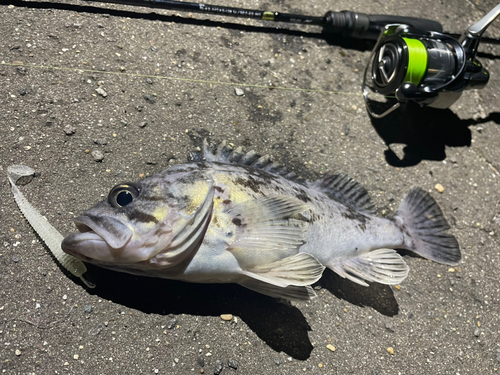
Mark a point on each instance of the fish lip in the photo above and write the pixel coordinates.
(74, 240)
(110, 230)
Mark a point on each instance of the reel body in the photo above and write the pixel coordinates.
(427, 67)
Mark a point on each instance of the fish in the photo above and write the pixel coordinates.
(231, 216)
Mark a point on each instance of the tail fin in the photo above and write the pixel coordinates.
(420, 216)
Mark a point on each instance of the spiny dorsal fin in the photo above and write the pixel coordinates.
(344, 189)
(225, 153)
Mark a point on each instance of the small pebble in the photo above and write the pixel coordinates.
(201, 361)
(122, 68)
(277, 361)
(239, 91)
(101, 92)
(390, 349)
(172, 324)
(149, 80)
(143, 124)
(97, 155)
(123, 122)
(439, 188)
(219, 365)
(100, 142)
(69, 130)
(18, 352)
(226, 317)
(233, 364)
(76, 356)
(331, 347)
(65, 297)
(88, 309)
(150, 99)
(22, 91)
(15, 259)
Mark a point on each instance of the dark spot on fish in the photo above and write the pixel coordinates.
(227, 201)
(302, 195)
(250, 183)
(400, 224)
(237, 222)
(215, 221)
(142, 217)
(354, 215)
(219, 189)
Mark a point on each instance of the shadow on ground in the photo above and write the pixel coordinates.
(279, 324)
(425, 132)
(377, 296)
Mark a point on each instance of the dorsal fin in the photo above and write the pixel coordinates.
(225, 153)
(344, 189)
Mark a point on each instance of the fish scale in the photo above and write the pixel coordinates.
(236, 217)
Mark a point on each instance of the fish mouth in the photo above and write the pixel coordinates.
(99, 236)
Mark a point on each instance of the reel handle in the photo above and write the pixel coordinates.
(368, 26)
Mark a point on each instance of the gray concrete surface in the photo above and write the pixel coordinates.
(170, 80)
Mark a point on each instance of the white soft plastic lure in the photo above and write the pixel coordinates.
(47, 232)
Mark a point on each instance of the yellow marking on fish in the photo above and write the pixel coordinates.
(238, 195)
(197, 192)
(160, 213)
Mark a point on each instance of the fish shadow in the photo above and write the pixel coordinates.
(425, 132)
(377, 296)
(279, 324)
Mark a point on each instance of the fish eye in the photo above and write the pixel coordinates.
(123, 194)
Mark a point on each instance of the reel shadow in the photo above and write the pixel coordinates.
(279, 324)
(377, 296)
(425, 131)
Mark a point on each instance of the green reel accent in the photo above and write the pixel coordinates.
(417, 61)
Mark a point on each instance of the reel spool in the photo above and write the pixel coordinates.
(426, 67)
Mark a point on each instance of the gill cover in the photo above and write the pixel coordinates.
(188, 234)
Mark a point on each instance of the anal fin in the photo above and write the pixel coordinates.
(384, 266)
(300, 270)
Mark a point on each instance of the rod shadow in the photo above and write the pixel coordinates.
(279, 324)
(425, 131)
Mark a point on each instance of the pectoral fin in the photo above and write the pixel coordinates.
(384, 266)
(268, 229)
(300, 270)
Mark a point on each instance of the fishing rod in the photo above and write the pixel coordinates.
(413, 59)
(344, 23)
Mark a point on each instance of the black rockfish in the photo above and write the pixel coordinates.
(235, 217)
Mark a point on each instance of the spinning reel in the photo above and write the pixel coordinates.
(427, 67)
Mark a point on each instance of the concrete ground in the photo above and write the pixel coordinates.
(172, 79)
